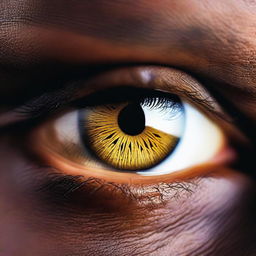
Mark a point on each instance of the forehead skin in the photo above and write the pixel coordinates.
(215, 38)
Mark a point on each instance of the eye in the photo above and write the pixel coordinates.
(149, 133)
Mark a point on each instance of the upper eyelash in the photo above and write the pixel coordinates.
(162, 103)
(46, 103)
(154, 102)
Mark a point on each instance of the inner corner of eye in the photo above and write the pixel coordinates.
(151, 136)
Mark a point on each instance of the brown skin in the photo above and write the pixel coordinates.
(212, 213)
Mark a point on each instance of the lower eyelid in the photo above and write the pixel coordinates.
(53, 153)
(65, 166)
(110, 189)
(92, 192)
(124, 180)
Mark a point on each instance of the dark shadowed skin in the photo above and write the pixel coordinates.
(46, 43)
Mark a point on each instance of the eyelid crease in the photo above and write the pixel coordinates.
(161, 78)
(149, 77)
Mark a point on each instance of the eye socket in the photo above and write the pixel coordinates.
(153, 134)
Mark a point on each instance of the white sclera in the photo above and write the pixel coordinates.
(199, 143)
(165, 120)
(67, 129)
(200, 138)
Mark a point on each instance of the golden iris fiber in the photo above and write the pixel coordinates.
(120, 150)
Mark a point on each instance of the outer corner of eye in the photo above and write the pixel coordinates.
(155, 135)
(202, 141)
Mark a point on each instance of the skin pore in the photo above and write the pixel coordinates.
(47, 46)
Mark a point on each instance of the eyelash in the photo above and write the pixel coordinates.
(59, 188)
(42, 107)
(63, 186)
(159, 103)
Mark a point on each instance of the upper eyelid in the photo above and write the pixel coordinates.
(150, 77)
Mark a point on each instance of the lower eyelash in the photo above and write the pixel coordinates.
(61, 189)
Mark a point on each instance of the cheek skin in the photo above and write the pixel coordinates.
(215, 218)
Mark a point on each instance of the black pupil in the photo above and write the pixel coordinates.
(131, 119)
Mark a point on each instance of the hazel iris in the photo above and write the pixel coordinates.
(128, 135)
